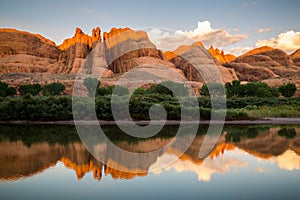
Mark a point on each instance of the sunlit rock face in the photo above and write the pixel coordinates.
(198, 65)
(21, 51)
(263, 63)
(220, 56)
(124, 47)
(76, 49)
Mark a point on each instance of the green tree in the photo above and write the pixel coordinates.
(32, 89)
(212, 90)
(3, 89)
(169, 88)
(103, 91)
(288, 90)
(91, 85)
(53, 89)
(11, 91)
(234, 89)
(274, 91)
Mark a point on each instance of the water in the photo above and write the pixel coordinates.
(248, 162)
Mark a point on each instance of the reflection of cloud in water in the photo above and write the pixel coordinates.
(289, 160)
(204, 170)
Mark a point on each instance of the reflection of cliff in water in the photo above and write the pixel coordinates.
(29, 151)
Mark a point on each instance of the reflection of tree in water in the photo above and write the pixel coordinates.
(289, 133)
(236, 134)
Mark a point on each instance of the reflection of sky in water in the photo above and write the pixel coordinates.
(235, 174)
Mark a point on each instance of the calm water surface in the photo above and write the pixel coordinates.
(248, 162)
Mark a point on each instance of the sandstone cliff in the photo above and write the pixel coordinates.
(76, 49)
(192, 59)
(124, 47)
(21, 51)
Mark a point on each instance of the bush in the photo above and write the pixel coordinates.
(5, 90)
(288, 90)
(53, 89)
(167, 88)
(33, 89)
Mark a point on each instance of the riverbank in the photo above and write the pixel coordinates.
(168, 122)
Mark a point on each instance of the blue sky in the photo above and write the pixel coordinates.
(57, 20)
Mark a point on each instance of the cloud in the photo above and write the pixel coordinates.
(289, 160)
(263, 30)
(205, 170)
(239, 50)
(288, 41)
(220, 37)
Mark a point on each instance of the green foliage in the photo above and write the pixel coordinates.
(140, 91)
(234, 89)
(53, 89)
(5, 90)
(257, 89)
(33, 89)
(91, 85)
(253, 89)
(275, 91)
(288, 90)
(212, 90)
(117, 89)
(169, 88)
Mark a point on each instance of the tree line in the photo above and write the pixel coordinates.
(32, 89)
(233, 89)
(252, 89)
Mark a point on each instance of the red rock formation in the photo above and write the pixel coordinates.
(21, 51)
(296, 57)
(13, 42)
(263, 63)
(220, 56)
(267, 57)
(196, 53)
(124, 45)
(76, 49)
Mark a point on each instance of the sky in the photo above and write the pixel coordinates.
(235, 26)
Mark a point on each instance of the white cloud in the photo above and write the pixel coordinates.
(289, 160)
(239, 50)
(220, 37)
(263, 30)
(288, 41)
